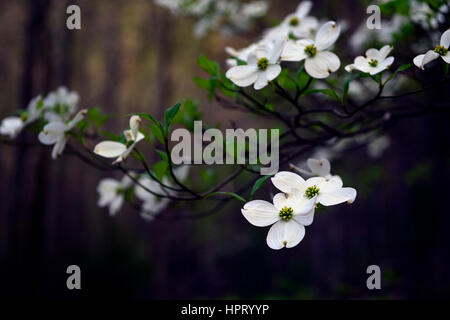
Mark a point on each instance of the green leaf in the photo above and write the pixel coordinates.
(228, 194)
(156, 131)
(146, 116)
(399, 69)
(204, 84)
(163, 155)
(347, 85)
(96, 117)
(258, 185)
(160, 169)
(211, 67)
(110, 135)
(169, 114)
(329, 92)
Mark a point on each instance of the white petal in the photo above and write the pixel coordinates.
(276, 51)
(373, 54)
(52, 132)
(295, 51)
(134, 125)
(107, 189)
(260, 213)
(273, 71)
(421, 60)
(58, 148)
(285, 234)
(418, 60)
(383, 66)
(350, 67)
(446, 58)
(243, 76)
(78, 117)
(286, 181)
(319, 167)
(445, 39)
(384, 52)
(149, 184)
(322, 64)
(327, 35)
(115, 205)
(331, 198)
(110, 149)
(305, 219)
(11, 126)
(241, 72)
(261, 81)
(303, 9)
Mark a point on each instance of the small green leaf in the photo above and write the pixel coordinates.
(211, 67)
(169, 115)
(110, 135)
(329, 92)
(156, 131)
(160, 169)
(258, 185)
(399, 69)
(163, 155)
(228, 194)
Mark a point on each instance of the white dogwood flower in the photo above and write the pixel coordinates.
(441, 50)
(12, 126)
(288, 216)
(319, 63)
(241, 54)
(151, 204)
(114, 149)
(112, 193)
(374, 62)
(263, 66)
(299, 24)
(319, 167)
(327, 191)
(59, 105)
(55, 133)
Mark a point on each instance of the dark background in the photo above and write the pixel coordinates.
(135, 56)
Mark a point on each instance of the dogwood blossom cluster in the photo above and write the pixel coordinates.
(299, 37)
(56, 111)
(112, 192)
(210, 14)
(293, 208)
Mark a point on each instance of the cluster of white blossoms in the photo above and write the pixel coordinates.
(210, 14)
(299, 37)
(293, 208)
(56, 109)
(112, 192)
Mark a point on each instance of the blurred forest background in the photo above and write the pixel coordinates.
(133, 56)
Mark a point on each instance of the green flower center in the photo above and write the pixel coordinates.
(24, 116)
(262, 64)
(311, 192)
(373, 63)
(311, 50)
(294, 22)
(291, 36)
(129, 143)
(286, 213)
(441, 50)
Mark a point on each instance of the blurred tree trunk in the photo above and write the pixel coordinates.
(27, 205)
